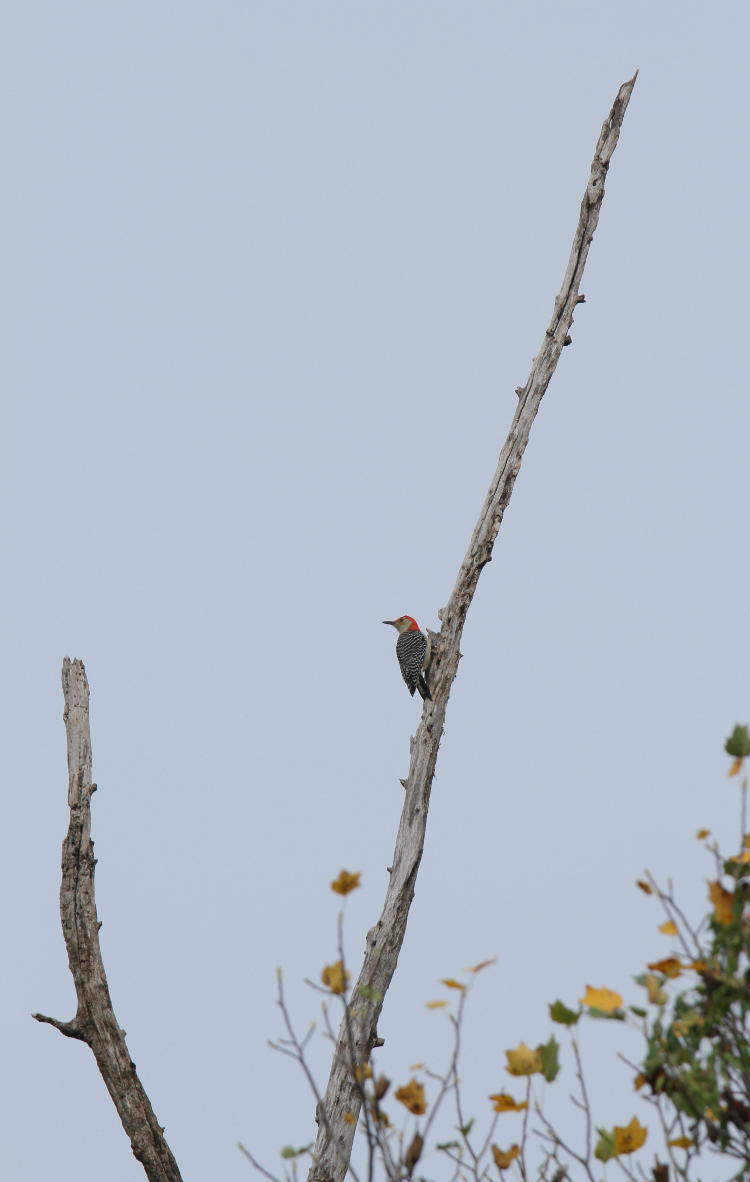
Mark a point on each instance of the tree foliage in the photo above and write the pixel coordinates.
(693, 1072)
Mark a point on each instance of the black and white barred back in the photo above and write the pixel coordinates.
(410, 650)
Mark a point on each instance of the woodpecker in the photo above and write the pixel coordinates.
(413, 652)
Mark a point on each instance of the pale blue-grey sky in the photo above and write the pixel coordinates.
(273, 271)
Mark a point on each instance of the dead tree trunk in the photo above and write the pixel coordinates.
(95, 1022)
(357, 1035)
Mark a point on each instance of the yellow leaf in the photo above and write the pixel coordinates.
(350, 1118)
(681, 1143)
(722, 900)
(647, 890)
(335, 977)
(743, 857)
(483, 964)
(435, 1005)
(416, 1066)
(702, 834)
(700, 966)
(523, 1061)
(670, 966)
(411, 1096)
(602, 999)
(639, 1081)
(656, 995)
(346, 882)
(362, 1071)
(630, 1137)
(451, 983)
(669, 928)
(746, 841)
(504, 1158)
(736, 767)
(502, 1102)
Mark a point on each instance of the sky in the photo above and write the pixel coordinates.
(272, 273)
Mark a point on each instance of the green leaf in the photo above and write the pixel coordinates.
(449, 1145)
(639, 1013)
(549, 1054)
(736, 869)
(615, 1016)
(605, 1146)
(738, 743)
(290, 1151)
(464, 1130)
(559, 1012)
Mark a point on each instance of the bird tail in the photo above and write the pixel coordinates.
(424, 689)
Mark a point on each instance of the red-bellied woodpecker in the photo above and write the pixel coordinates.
(413, 652)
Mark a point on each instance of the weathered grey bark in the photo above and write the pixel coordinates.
(95, 1021)
(342, 1099)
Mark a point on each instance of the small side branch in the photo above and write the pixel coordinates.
(95, 1022)
(358, 1030)
(69, 1029)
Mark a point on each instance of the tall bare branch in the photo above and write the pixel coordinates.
(95, 1022)
(342, 1098)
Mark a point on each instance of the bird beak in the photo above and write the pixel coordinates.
(393, 622)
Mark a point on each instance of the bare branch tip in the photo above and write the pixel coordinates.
(73, 663)
(69, 1029)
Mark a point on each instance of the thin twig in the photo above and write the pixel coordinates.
(450, 1078)
(457, 1021)
(584, 1095)
(298, 1053)
(625, 1169)
(490, 1135)
(525, 1128)
(672, 910)
(554, 1137)
(256, 1164)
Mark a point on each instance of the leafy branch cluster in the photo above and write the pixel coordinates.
(694, 1071)
(697, 1061)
